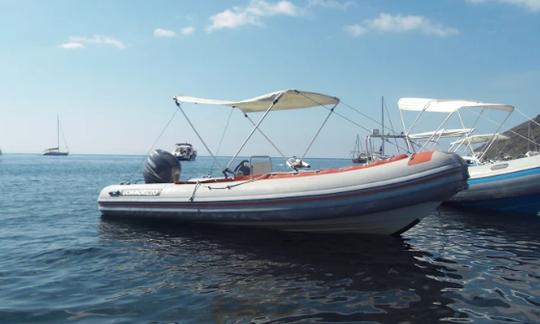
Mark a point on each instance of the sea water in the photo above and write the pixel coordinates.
(61, 262)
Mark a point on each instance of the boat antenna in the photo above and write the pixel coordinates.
(57, 132)
(394, 132)
(391, 123)
(196, 132)
(382, 124)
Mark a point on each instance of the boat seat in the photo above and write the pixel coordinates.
(260, 164)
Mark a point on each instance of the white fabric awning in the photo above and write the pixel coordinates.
(481, 138)
(288, 99)
(447, 105)
(442, 133)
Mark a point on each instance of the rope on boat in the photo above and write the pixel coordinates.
(496, 123)
(266, 137)
(392, 130)
(266, 175)
(371, 118)
(221, 141)
(529, 118)
(154, 144)
(318, 132)
(196, 132)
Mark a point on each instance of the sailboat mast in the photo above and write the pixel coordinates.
(382, 113)
(57, 132)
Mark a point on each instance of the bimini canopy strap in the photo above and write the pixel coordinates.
(447, 105)
(288, 99)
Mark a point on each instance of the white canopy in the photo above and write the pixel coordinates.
(480, 138)
(442, 133)
(447, 105)
(289, 99)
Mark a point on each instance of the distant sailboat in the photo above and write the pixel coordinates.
(56, 150)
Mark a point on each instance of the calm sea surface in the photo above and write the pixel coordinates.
(60, 262)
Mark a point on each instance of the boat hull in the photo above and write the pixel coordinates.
(55, 153)
(186, 158)
(513, 186)
(385, 199)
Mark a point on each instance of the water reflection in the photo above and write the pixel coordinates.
(253, 275)
(496, 256)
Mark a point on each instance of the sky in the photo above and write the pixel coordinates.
(110, 69)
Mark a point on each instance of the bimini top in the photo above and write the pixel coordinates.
(447, 105)
(442, 133)
(288, 99)
(481, 138)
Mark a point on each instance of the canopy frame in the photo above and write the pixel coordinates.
(452, 107)
(254, 105)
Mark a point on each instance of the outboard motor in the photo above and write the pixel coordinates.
(161, 167)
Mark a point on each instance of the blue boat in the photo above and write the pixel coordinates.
(506, 186)
(509, 185)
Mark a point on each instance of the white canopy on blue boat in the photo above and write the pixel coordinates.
(447, 105)
(480, 138)
(442, 133)
(288, 99)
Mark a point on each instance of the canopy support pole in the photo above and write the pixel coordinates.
(407, 140)
(227, 170)
(318, 131)
(408, 131)
(196, 132)
(469, 145)
(437, 130)
(264, 135)
(494, 137)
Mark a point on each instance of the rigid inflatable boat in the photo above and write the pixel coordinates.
(384, 197)
(507, 186)
(510, 185)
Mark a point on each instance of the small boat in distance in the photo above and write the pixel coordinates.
(55, 151)
(185, 152)
(357, 155)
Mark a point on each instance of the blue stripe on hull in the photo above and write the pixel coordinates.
(506, 176)
(522, 204)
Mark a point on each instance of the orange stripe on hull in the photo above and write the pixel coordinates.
(420, 157)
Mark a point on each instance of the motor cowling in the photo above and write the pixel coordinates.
(161, 167)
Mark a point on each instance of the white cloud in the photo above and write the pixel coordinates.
(331, 4)
(251, 14)
(163, 33)
(188, 30)
(71, 45)
(532, 5)
(355, 30)
(77, 42)
(399, 24)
